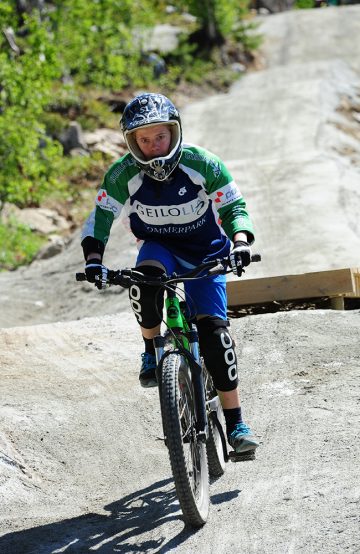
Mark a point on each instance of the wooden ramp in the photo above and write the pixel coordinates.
(335, 284)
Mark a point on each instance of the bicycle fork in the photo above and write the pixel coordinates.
(193, 359)
(202, 428)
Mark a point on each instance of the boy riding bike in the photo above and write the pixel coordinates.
(184, 208)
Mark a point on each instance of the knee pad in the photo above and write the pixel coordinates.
(218, 350)
(146, 300)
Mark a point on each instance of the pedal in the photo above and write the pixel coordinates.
(242, 456)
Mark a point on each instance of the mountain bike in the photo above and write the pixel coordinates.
(192, 417)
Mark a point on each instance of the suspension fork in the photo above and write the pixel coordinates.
(192, 356)
(198, 384)
(189, 348)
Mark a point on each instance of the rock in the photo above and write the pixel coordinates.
(156, 62)
(164, 39)
(73, 138)
(78, 152)
(104, 135)
(9, 211)
(238, 67)
(105, 140)
(42, 220)
(55, 245)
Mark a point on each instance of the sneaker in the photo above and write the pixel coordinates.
(147, 375)
(242, 439)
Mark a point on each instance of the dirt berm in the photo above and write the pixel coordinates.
(83, 467)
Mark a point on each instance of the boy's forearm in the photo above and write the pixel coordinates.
(241, 235)
(93, 256)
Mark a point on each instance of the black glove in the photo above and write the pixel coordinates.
(240, 257)
(96, 273)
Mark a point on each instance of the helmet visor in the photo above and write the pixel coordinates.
(135, 150)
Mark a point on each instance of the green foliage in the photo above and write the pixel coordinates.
(245, 33)
(95, 114)
(214, 16)
(304, 4)
(96, 40)
(217, 18)
(91, 41)
(73, 169)
(53, 122)
(70, 56)
(181, 61)
(7, 15)
(19, 244)
(26, 156)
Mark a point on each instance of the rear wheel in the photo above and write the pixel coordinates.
(214, 444)
(187, 454)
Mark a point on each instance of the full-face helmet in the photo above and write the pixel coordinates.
(146, 110)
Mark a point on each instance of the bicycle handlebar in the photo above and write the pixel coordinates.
(127, 277)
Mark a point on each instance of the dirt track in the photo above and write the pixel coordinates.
(82, 464)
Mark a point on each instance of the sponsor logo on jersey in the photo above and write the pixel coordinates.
(214, 164)
(226, 195)
(176, 214)
(176, 229)
(119, 169)
(108, 203)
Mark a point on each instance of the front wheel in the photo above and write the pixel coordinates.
(187, 454)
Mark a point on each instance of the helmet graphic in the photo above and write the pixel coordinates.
(149, 109)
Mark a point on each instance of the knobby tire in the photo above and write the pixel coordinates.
(187, 455)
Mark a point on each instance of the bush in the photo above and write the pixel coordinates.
(75, 48)
(304, 4)
(216, 19)
(96, 40)
(19, 244)
(27, 155)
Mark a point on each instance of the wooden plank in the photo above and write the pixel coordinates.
(356, 281)
(337, 303)
(337, 282)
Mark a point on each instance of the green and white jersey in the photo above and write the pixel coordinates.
(194, 213)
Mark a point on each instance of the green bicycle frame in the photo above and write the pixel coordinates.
(176, 320)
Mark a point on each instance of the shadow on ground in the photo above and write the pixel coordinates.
(123, 530)
(127, 528)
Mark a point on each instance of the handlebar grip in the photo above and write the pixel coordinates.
(114, 278)
(256, 258)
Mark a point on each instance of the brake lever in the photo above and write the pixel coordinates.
(219, 269)
(256, 258)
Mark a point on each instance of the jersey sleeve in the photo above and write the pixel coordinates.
(109, 203)
(227, 199)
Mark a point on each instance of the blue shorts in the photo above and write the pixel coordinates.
(204, 296)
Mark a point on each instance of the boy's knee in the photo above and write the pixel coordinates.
(147, 300)
(218, 350)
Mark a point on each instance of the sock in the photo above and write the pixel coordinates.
(232, 417)
(149, 346)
